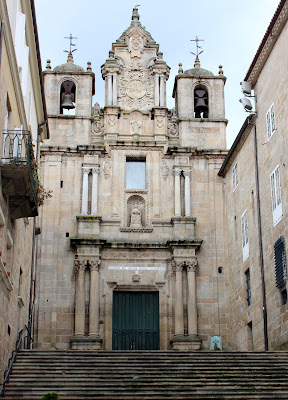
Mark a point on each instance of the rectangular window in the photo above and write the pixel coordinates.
(245, 237)
(248, 287)
(276, 195)
(235, 176)
(270, 121)
(280, 262)
(135, 173)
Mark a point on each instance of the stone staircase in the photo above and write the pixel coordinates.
(123, 375)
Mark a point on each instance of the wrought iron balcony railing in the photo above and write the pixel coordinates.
(17, 170)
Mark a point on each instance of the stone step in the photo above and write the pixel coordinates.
(149, 375)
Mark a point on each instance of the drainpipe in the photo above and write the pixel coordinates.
(264, 306)
(1, 40)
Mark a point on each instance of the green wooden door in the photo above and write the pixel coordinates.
(135, 321)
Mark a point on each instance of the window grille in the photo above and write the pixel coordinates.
(280, 262)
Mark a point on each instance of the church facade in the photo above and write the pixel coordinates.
(132, 250)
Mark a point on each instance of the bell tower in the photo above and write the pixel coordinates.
(69, 90)
(199, 97)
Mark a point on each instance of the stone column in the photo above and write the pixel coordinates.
(94, 298)
(80, 298)
(114, 90)
(179, 312)
(177, 173)
(192, 300)
(187, 175)
(162, 91)
(157, 100)
(94, 200)
(86, 172)
(109, 99)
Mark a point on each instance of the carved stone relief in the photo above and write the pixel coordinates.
(164, 170)
(134, 89)
(112, 121)
(107, 169)
(97, 127)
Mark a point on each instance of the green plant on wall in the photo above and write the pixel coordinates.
(51, 396)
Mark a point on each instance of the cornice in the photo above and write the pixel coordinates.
(273, 32)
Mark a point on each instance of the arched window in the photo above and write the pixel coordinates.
(67, 98)
(201, 109)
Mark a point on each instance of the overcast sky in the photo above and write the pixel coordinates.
(232, 30)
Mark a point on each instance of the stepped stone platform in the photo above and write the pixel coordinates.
(127, 375)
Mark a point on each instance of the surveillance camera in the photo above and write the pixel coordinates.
(246, 87)
(246, 103)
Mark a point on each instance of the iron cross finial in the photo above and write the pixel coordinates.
(71, 44)
(135, 5)
(197, 46)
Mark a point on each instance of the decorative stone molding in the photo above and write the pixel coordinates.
(144, 230)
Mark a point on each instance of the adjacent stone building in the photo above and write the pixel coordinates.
(23, 125)
(256, 196)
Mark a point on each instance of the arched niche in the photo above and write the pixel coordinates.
(201, 102)
(136, 218)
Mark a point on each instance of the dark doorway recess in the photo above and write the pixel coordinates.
(135, 321)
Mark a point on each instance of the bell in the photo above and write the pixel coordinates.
(201, 106)
(68, 102)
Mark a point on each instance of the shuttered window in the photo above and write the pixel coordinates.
(276, 195)
(280, 262)
(270, 121)
(235, 176)
(245, 237)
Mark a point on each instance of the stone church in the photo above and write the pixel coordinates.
(132, 250)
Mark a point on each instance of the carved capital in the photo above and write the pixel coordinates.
(177, 171)
(95, 170)
(187, 172)
(80, 265)
(178, 265)
(192, 266)
(86, 170)
(94, 265)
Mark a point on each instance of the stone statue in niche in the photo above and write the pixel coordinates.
(136, 217)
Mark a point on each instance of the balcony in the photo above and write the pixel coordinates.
(18, 183)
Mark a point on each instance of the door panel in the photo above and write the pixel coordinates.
(135, 321)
